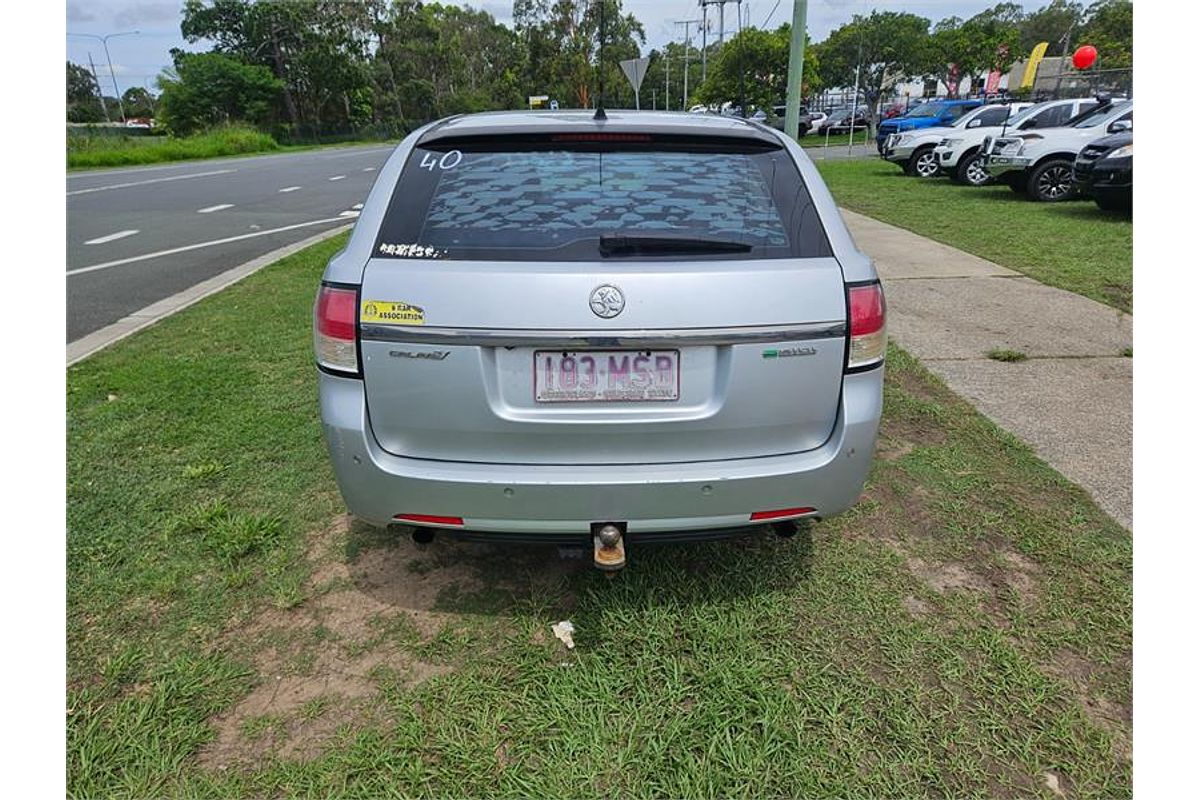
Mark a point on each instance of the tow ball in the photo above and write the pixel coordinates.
(608, 546)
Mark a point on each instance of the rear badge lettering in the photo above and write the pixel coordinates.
(388, 312)
(428, 355)
(789, 352)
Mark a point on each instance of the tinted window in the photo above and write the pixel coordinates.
(1054, 116)
(545, 200)
(925, 110)
(956, 111)
(1096, 119)
(990, 117)
(1096, 114)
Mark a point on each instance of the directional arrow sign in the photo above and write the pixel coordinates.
(635, 71)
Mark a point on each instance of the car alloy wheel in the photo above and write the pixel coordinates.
(975, 173)
(1054, 182)
(926, 165)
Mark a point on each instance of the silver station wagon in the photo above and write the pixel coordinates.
(548, 326)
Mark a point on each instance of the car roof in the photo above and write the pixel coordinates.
(505, 123)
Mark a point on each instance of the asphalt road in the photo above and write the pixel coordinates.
(123, 225)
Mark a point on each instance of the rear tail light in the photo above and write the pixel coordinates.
(868, 337)
(335, 329)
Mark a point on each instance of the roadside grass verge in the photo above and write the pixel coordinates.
(963, 631)
(116, 151)
(1072, 245)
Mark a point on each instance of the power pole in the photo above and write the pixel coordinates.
(687, 48)
(791, 121)
(720, 4)
(667, 55)
(99, 91)
(704, 43)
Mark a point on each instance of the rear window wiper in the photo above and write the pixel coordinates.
(630, 245)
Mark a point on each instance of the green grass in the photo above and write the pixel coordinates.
(109, 151)
(1008, 356)
(1072, 245)
(98, 152)
(835, 140)
(962, 632)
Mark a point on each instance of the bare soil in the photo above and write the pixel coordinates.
(319, 662)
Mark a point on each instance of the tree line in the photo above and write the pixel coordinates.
(311, 68)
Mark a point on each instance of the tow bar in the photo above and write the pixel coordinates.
(608, 546)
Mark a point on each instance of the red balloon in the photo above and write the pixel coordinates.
(1084, 57)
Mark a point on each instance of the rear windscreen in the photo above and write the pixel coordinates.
(547, 199)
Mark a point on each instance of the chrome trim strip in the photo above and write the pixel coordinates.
(508, 337)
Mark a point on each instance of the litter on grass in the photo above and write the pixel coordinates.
(563, 630)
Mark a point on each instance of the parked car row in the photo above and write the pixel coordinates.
(1052, 151)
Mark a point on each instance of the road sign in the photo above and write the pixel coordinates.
(538, 100)
(635, 71)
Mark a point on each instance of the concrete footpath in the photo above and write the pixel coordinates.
(1072, 400)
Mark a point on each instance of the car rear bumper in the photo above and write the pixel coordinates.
(516, 498)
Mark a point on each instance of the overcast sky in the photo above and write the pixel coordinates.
(137, 60)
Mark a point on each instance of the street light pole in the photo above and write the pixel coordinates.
(104, 41)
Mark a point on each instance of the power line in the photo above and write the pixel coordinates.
(773, 10)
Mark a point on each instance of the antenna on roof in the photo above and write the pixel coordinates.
(600, 103)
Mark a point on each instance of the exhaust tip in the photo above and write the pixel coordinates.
(423, 535)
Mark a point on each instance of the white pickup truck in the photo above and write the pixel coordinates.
(913, 150)
(960, 153)
(1041, 163)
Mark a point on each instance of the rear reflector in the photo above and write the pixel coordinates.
(429, 519)
(868, 336)
(780, 513)
(335, 329)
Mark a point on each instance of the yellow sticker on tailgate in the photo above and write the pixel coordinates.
(390, 312)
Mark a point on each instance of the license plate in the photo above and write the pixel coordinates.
(606, 376)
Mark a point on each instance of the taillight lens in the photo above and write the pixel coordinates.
(868, 337)
(335, 329)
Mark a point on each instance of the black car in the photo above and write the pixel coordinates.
(1104, 171)
(838, 120)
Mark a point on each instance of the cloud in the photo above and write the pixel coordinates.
(77, 13)
(145, 12)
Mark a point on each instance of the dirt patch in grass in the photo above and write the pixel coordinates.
(915, 606)
(944, 577)
(905, 382)
(376, 603)
(319, 663)
(1113, 717)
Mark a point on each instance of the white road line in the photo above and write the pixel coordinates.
(357, 206)
(211, 209)
(151, 180)
(288, 189)
(200, 245)
(112, 237)
(349, 213)
(97, 340)
(368, 169)
(337, 177)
